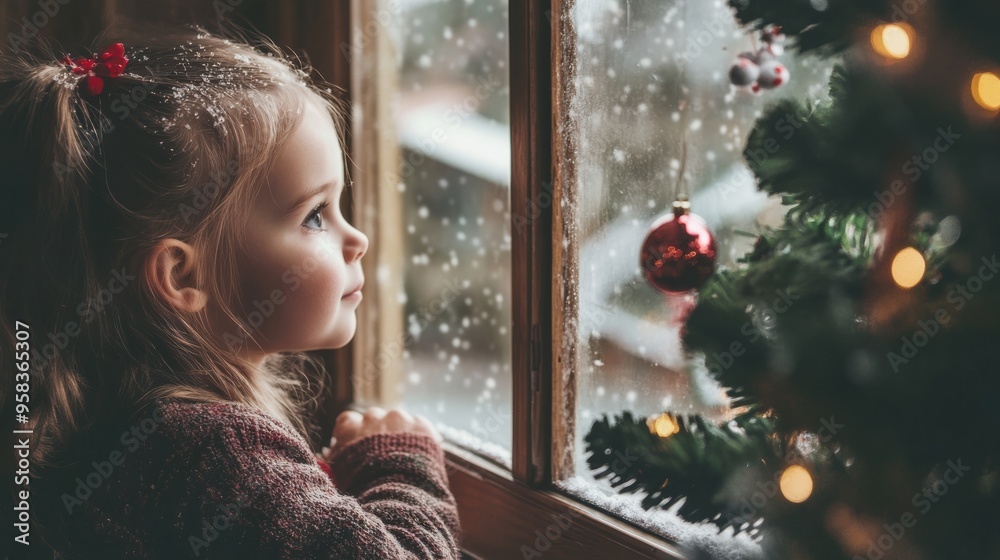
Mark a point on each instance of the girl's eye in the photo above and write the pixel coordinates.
(314, 221)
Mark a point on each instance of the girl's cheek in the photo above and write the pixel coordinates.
(324, 285)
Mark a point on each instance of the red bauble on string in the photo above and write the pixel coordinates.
(678, 254)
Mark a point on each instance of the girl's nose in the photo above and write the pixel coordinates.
(355, 245)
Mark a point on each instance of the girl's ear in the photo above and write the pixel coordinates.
(170, 273)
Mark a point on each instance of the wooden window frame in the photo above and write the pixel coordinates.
(504, 512)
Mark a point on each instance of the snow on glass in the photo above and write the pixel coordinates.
(649, 77)
(454, 188)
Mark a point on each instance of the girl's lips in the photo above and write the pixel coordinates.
(356, 294)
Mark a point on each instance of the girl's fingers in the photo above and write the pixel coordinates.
(428, 428)
(374, 413)
(398, 421)
(348, 415)
(351, 425)
(348, 425)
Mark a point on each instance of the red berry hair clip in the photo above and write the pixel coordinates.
(110, 63)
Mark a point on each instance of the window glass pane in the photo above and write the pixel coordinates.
(650, 77)
(451, 111)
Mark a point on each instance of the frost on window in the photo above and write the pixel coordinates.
(650, 77)
(451, 112)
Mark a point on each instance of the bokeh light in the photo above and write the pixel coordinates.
(796, 484)
(665, 426)
(986, 90)
(892, 40)
(908, 267)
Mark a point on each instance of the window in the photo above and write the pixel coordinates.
(511, 157)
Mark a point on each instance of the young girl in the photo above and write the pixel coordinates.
(171, 244)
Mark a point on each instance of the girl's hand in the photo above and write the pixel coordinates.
(352, 425)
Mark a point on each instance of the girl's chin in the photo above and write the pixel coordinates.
(345, 334)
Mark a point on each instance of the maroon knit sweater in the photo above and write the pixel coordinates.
(228, 481)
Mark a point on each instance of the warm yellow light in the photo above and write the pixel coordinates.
(908, 268)
(986, 90)
(665, 426)
(892, 40)
(796, 484)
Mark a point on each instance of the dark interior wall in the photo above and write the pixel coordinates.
(75, 23)
(313, 29)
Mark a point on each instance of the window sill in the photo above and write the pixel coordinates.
(503, 518)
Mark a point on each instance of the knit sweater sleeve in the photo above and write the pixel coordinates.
(251, 488)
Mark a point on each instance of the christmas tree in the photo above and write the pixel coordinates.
(858, 342)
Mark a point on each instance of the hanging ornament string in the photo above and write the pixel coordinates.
(679, 189)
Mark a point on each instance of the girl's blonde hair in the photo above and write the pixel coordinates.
(176, 147)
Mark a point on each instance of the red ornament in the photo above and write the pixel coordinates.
(678, 254)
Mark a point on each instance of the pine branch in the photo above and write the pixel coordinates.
(693, 467)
